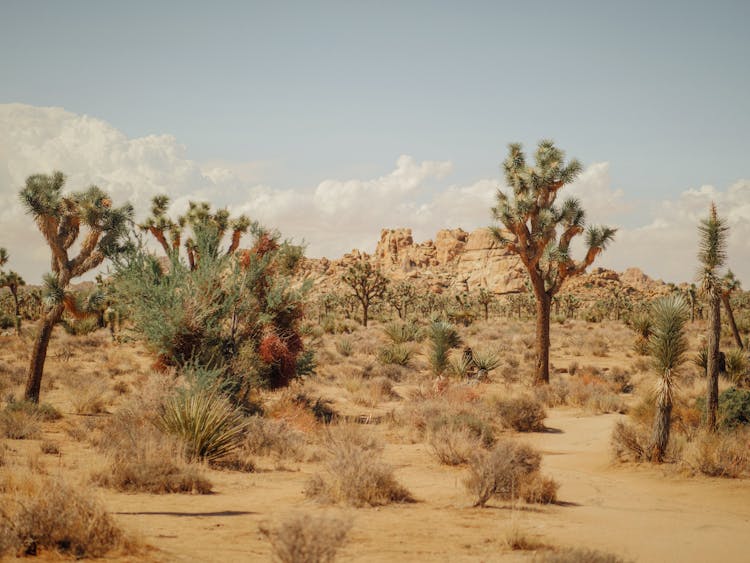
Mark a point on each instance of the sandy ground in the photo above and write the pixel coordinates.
(636, 512)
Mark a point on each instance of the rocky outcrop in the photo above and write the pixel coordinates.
(458, 261)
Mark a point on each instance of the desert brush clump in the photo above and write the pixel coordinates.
(306, 537)
(48, 513)
(523, 413)
(233, 311)
(578, 555)
(358, 477)
(453, 445)
(508, 472)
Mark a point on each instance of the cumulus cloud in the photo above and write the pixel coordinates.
(333, 215)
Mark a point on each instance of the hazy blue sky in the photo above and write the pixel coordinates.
(300, 92)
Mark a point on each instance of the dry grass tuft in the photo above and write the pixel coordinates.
(269, 437)
(518, 540)
(578, 555)
(307, 538)
(20, 424)
(357, 477)
(725, 454)
(453, 446)
(48, 513)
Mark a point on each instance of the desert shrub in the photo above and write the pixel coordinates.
(268, 437)
(523, 414)
(629, 442)
(553, 395)
(737, 366)
(80, 327)
(400, 333)
(233, 311)
(434, 417)
(594, 394)
(453, 446)
(356, 476)
(539, 490)
(578, 555)
(42, 411)
(398, 354)
(307, 538)
(734, 407)
(88, 395)
(150, 463)
(345, 434)
(598, 347)
(723, 454)
(48, 513)
(443, 337)
(204, 420)
(619, 380)
(20, 424)
(345, 347)
(502, 472)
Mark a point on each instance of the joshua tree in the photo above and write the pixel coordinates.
(367, 283)
(485, 299)
(13, 281)
(540, 231)
(401, 297)
(668, 347)
(729, 284)
(60, 218)
(169, 233)
(3, 257)
(712, 255)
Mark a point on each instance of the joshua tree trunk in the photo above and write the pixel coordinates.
(661, 431)
(541, 373)
(712, 364)
(365, 311)
(39, 354)
(732, 323)
(486, 311)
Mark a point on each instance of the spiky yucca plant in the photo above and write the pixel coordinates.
(668, 347)
(443, 337)
(712, 255)
(209, 426)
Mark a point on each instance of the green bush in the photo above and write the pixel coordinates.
(734, 407)
(397, 354)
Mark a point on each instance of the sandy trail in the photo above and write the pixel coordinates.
(637, 512)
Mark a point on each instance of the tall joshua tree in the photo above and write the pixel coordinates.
(712, 255)
(730, 284)
(668, 347)
(62, 218)
(367, 284)
(540, 231)
(12, 280)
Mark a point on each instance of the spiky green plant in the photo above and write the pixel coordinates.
(540, 231)
(712, 255)
(668, 347)
(443, 337)
(485, 361)
(398, 354)
(399, 332)
(737, 366)
(206, 422)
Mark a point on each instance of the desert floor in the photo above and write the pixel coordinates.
(639, 512)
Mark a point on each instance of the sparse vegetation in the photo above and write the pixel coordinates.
(307, 537)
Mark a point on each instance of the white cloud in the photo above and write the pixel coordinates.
(335, 215)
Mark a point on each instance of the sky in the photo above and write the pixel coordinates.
(332, 120)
